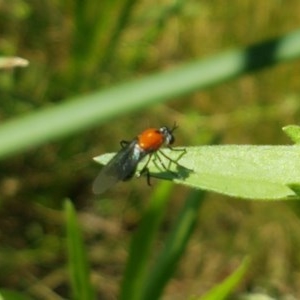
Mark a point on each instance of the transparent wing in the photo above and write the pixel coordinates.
(121, 167)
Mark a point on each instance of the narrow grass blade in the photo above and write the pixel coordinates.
(120, 26)
(96, 108)
(174, 247)
(134, 278)
(6, 294)
(223, 290)
(78, 265)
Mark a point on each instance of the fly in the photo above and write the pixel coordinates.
(123, 165)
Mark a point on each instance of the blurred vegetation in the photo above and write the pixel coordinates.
(77, 47)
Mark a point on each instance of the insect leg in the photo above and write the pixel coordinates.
(172, 160)
(145, 170)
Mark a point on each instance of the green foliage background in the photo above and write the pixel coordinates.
(78, 49)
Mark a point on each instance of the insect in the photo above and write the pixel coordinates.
(123, 165)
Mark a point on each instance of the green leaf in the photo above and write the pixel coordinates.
(252, 172)
(293, 132)
(78, 265)
(222, 290)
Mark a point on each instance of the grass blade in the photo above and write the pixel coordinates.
(96, 108)
(223, 290)
(138, 261)
(6, 294)
(78, 265)
(174, 247)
